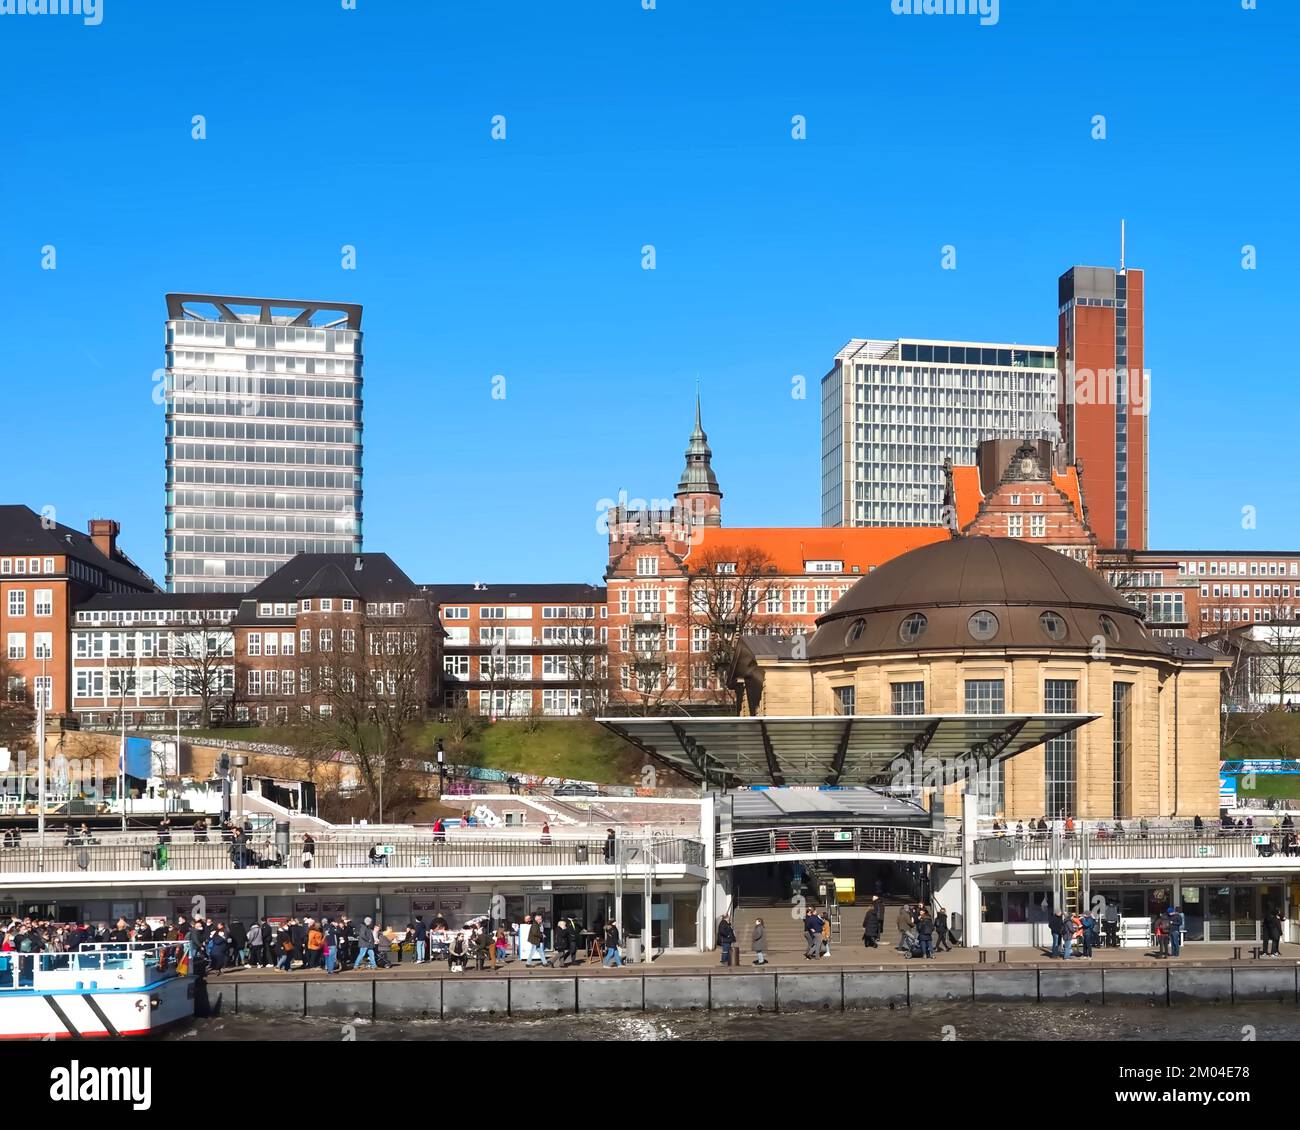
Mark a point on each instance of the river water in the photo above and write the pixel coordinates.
(1138, 1023)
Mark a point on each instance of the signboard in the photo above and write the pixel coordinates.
(1227, 791)
(843, 837)
(1205, 849)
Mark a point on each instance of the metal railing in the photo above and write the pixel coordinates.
(811, 842)
(1220, 843)
(332, 854)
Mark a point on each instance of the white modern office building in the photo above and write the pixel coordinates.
(263, 400)
(893, 411)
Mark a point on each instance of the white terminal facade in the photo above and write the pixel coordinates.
(893, 411)
(263, 399)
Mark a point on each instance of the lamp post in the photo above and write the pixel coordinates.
(40, 759)
(379, 777)
(442, 769)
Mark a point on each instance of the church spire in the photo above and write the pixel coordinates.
(698, 487)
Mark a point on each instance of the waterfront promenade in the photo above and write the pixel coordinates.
(1205, 974)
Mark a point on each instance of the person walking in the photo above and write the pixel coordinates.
(609, 848)
(366, 944)
(942, 938)
(308, 849)
(566, 943)
(812, 932)
(255, 944)
(758, 942)
(1054, 924)
(726, 938)
(612, 954)
(826, 936)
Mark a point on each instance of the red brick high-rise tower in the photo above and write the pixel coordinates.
(1104, 399)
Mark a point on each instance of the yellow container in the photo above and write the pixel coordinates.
(845, 890)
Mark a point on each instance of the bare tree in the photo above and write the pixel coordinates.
(203, 665)
(583, 658)
(728, 592)
(1277, 661)
(375, 681)
(17, 709)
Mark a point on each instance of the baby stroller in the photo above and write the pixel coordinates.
(912, 942)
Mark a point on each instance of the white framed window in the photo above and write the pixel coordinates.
(254, 643)
(327, 605)
(287, 679)
(647, 566)
(20, 565)
(326, 639)
(823, 566)
(44, 686)
(1038, 525)
(306, 605)
(1038, 500)
(264, 610)
(700, 639)
(304, 640)
(1015, 526)
(42, 645)
(6, 566)
(348, 638)
(49, 564)
(772, 602)
(18, 601)
(254, 682)
(347, 606)
(457, 613)
(17, 645)
(271, 646)
(798, 600)
(821, 599)
(1015, 500)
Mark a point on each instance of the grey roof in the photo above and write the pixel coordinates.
(140, 602)
(23, 531)
(366, 576)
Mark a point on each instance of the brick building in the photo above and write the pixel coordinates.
(47, 569)
(324, 632)
(511, 651)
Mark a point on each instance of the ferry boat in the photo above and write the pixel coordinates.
(101, 990)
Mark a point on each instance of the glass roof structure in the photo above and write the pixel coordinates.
(832, 749)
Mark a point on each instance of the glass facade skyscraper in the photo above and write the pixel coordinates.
(893, 411)
(263, 409)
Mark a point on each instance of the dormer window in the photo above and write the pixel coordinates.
(1038, 500)
(726, 567)
(327, 605)
(306, 605)
(1015, 500)
(647, 566)
(823, 566)
(347, 606)
(264, 610)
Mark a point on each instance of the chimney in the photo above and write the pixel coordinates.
(103, 532)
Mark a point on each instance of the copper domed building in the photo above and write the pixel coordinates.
(994, 626)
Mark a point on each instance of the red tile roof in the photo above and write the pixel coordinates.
(790, 548)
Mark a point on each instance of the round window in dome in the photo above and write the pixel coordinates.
(855, 631)
(1053, 624)
(1108, 628)
(983, 625)
(913, 627)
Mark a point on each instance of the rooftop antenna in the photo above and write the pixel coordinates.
(1121, 247)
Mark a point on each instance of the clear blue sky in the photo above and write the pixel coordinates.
(627, 127)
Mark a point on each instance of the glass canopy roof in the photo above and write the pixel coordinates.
(836, 749)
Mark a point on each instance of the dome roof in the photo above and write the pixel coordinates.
(977, 592)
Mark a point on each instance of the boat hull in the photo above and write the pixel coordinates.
(69, 1014)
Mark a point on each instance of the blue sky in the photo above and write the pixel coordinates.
(626, 127)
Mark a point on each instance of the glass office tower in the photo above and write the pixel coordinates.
(263, 406)
(893, 411)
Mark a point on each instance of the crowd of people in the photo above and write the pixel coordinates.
(332, 944)
(1283, 827)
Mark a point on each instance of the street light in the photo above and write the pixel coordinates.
(379, 776)
(442, 769)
